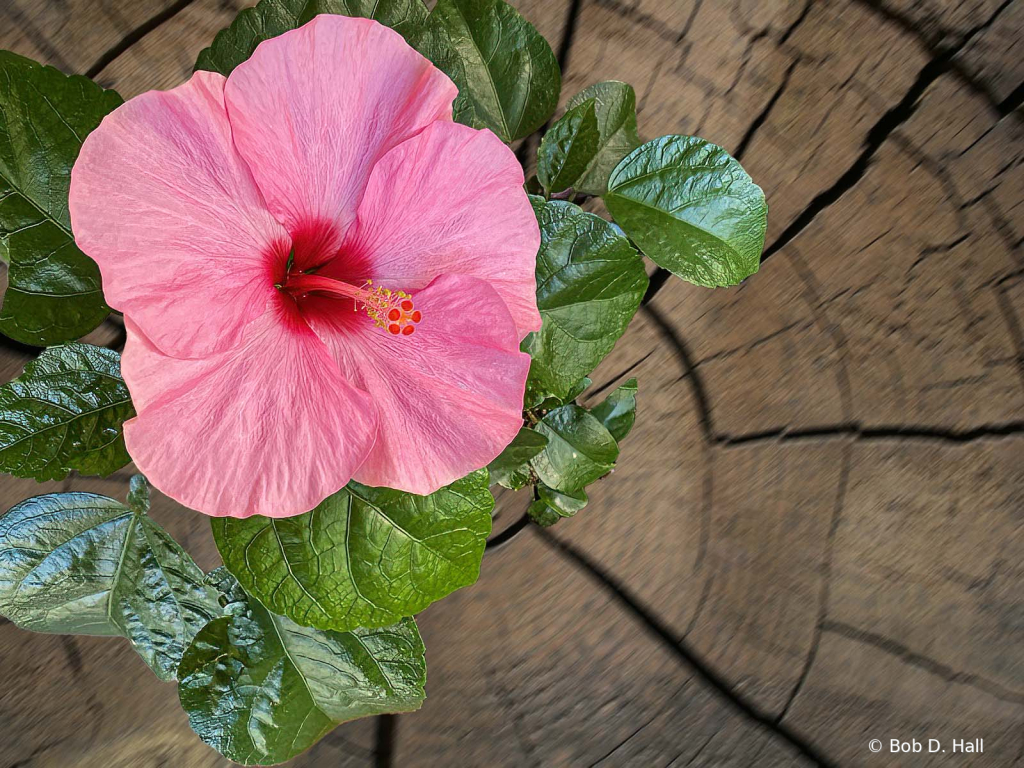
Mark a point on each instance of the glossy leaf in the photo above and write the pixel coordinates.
(501, 64)
(618, 411)
(365, 557)
(577, 389)
(590, 281)
(568, 148)
(81, 563)
(542, 514)
(512, 468)
(270, 18)
(260, 689)
(54, 292)
(615, 110)
(691, 208)
(579, 450)
(551, 505)
(550, 403)
(65, 412)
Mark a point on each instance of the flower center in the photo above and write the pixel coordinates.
(391, 310)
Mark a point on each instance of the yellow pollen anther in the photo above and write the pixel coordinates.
(390, 310)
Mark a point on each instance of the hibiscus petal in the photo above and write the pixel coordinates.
(450, 396)
(449, 201)
(270, 427)
(314, 109)
(166, 207)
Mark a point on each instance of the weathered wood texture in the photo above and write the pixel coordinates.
(815, 536)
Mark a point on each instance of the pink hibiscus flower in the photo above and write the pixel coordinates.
(322, 275)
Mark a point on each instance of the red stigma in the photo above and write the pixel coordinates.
(403, 316)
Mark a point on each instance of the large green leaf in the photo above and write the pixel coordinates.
(691, 208)
(579, 450)
(270, 18)
(568, 148)
(615, 109)
(86, 564)
(54, 292)
(365, 557)
(590, 282)
(260, 689)
(65, 412)
(501, 64)
(618, 411)
(512, 468)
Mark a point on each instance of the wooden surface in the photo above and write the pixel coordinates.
(815, 536)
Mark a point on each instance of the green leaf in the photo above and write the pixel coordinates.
(365, 557)
(542, 514)
(54, 292)
(512, 468)
(65, 412)
(568, 148)
(270, 18)
(551, 505)
(618, 411)
(260, 689)
(579, 450)
(501, 64)
(615, 105)
(590, 282)
(86, 564)
(567, 504)
(550, 403)
(577, 389)
(691, 208)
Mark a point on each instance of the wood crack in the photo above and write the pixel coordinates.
(623, 743)
(914, 659)
(788, 33)
(686, 655)
(697, 385)
(121, 46)
(878, 134)
(858, 432)
(761, 118)
(826, 582)
(932, 44)
(387, 731)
